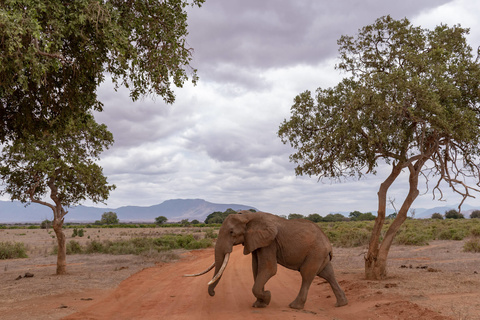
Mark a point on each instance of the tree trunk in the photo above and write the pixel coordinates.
(376, 259)
(371, 259)
(62, 248)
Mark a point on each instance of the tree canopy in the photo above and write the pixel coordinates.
(54, 54)
(109, 218)
(412, 101)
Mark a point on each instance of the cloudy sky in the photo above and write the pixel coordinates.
(219, 141)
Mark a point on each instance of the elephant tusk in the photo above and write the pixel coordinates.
(199, 274)
(222, 268)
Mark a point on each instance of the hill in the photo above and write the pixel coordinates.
(174, 210)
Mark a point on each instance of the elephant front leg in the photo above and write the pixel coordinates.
(264, 267)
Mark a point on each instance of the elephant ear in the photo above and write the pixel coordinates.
(260, 233)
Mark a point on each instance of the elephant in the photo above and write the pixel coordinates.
(296, 244)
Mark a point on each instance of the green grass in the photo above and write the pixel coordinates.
(12, 250)
(413, 231)
(139, 245)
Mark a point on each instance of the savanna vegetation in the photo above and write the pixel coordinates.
(410, 102)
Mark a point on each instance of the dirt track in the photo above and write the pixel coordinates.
(438, 281)
(162, 293)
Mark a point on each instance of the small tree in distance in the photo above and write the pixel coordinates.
(437, 215)
(411, 103)
(160, 220)
(295, 216)
(109, 218)
(475, 214)
(453, 214)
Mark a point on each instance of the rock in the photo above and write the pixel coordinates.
(28, 275)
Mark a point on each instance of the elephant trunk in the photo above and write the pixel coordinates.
(221, 260)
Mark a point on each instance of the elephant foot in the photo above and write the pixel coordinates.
(259, 304)
(341, 303)
(297, 305)
(264, 301)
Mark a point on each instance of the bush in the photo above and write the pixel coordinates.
(475, 214)
(437, 215)
(452, 234)
(472, 245)
(412, 238)
(453, 214)
(9, 250)
(211, 234)
(73, 247)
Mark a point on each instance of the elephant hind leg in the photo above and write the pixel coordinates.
(328, 274)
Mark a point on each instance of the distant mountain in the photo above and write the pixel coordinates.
(174, 210)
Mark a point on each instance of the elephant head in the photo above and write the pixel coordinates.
(248, 228)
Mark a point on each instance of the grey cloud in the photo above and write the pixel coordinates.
(272, 33)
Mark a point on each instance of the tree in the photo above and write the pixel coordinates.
(475, 214)
(160, 220)
(437, 215)
(218, 216)
(295, 216)
(54, 54)
(109, 218)
(334, 217)
(314, 217)
(359, 216)
(61, 166)
(453, 214)
(411, 102)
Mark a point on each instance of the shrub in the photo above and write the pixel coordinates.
(475, 214)
(9, 250)
(73, 247)
(412, 238)
(356, 237)
(211, 234)
(475, 231)
(472, 245)
(452, 234)
(437, 215)
(453, 214)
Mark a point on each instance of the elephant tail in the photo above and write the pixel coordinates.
(330, 254)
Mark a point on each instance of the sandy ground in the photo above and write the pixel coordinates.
(438, 281)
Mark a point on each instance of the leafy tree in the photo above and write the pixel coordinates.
(109, 218)
(295, 216)
(54, 54)
(60, 166)
(334, 217)
(185, 223)
(160, 220)
(411, 101)
(315, 217)
(195, 221)
(218, 216)
(354, 215)
(475, 214)
(363, 216)
(453, 214)
(437, 215)
(46, 224)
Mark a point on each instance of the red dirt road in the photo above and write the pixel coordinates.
(162, 292)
